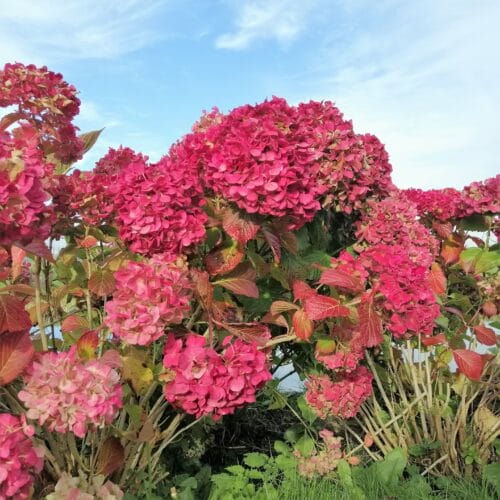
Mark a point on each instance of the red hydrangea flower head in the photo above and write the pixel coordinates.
(259, 160)
(482, 197)
(204, 382)
(441, 204)
(24, 213)
(149, 295)
(159, 207)
(68, 395)
(47, 102)
(394, 221)
(408, 304)
(20, 460)
(341, 397)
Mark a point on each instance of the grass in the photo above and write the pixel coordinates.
(415, 488)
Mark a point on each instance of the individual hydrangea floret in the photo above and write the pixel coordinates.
(20, 459)
(67, 395)
(81, 488)
(159, 207)
(341, 397)
(202, 381)
(149, 295)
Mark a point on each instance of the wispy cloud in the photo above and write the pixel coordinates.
(421, 76)
(48, 30)
(280, 20)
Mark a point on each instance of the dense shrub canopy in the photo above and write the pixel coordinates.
(269, 234)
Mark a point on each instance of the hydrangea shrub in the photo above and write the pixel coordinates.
(268, 235)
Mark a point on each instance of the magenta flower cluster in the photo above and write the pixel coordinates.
(149, 295)
(65, 394)
(202, 381)
(20, 459)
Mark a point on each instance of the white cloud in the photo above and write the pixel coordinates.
(48, 30)
(281, 20)
(423, 77)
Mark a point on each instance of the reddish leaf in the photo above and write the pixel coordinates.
(102, 282)
(443, 229)
(239, 226)
(87, 242)
(451, 249)
(203, 288)
(287, 238)
(38, 248)
(301, 290)
(470, 363)
(241, 281)
(437, 279)
(73, 323)
(223, 260)
(19, 289)
(87, 344)
(341, 279)
(370, 324)
(112, 359)
(275, 319)
(302, 325)
(281, 306)
(320, 307)
(16, 351)
(250, 332)
(435, 340)
(111, 456)
(18, 255)
(273, 241)
(13, 316)
(9, 119)
(485, 335)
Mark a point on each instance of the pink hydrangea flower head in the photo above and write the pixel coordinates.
(481, 197)
(341, 397)
(20, 459)
(409, 305)
(202, 381)
(440, 204)
(159, 207)
(394, 221)
(65, 394)
(149, 295)
(47, 102)
(24, 213)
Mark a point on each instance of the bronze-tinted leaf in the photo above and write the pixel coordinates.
(16, 351)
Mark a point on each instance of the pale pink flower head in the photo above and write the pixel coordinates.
(149, 295)
(323, 460)
(20, 459)
(82, 488)
(202, 381)
(68, 395)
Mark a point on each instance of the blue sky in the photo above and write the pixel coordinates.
(422, 75)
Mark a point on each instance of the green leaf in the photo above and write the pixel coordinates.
(255, 459)
(345, 476)
(237, 470)
(487, 261)
(305, 410)
(281, 447)
(391, 468)
(305, 445)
